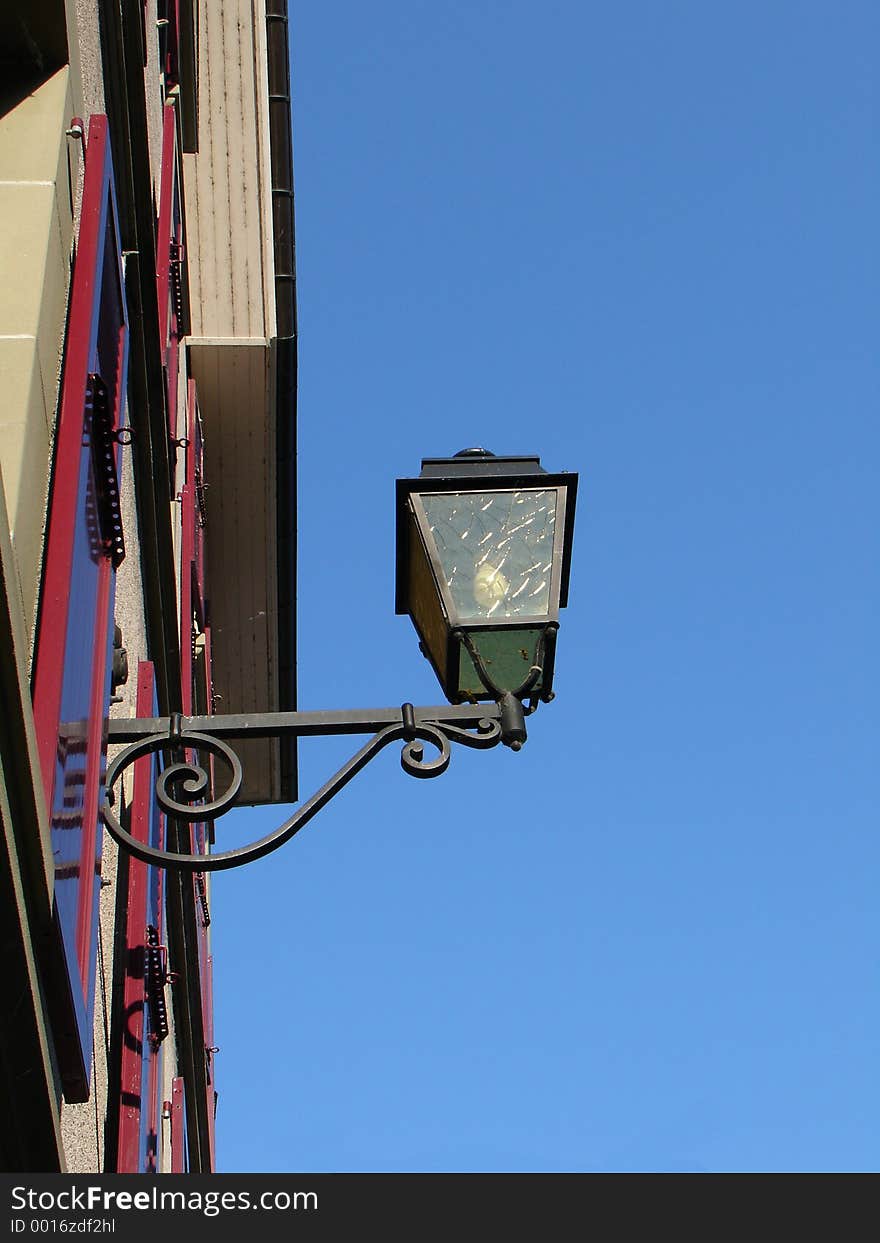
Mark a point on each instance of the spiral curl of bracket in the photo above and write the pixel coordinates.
(412, 756)
(190, 778)
(487, 735)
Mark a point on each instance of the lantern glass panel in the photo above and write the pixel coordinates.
(495, 551)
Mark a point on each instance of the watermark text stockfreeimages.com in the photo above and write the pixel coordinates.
(94, 1199)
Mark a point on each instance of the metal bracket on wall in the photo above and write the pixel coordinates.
(183, 786)
(77, 131)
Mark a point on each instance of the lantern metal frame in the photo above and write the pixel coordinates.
(474, 471)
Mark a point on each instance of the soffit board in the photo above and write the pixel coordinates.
(228, 182)
(235, 385)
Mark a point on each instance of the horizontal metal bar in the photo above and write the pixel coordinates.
(298, 724)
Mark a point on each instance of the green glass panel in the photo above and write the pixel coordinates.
(495, 550)
(507, 654)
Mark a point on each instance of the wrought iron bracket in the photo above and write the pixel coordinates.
(182, 786)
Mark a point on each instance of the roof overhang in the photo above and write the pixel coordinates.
(249, 574)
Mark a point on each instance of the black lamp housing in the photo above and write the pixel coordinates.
(483, 560)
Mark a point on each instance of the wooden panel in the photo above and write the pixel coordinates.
(228, 195)
(141, 1057)
(236, 399)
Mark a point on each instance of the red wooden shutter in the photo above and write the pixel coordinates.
(143, 1001)
(169, 262)
(75, 631)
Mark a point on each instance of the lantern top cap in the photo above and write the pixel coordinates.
(479, 462)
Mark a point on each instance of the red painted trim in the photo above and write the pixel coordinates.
(209, 688)
(49, 665)
(187, 542)
(196, 450)
(192, 402)
(177, 1135)
(171, 66)
(208, 1019)
(133, 998)
(191, 434)
(167, 191)
(187, 560)
(160, 883)
(209, 680)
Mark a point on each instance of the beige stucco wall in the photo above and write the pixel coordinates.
(84, 44)
(24, 835)
(39, 172)
(230, 256)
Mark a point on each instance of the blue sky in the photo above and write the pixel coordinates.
(640, 241)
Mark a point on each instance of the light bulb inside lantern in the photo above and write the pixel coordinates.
(490, 586)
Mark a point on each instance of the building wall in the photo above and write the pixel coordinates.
(194, 272)
(39, 172)
(29, 1097)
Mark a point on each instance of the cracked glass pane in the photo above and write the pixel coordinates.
(495, 550)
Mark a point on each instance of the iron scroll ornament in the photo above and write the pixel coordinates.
(480, 728)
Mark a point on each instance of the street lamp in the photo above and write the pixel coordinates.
(483, 557)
